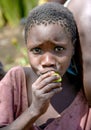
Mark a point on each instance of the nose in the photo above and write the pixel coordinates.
(48, 60)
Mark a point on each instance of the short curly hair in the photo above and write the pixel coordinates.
(51, 13)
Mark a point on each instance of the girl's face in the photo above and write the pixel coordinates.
(50, 48)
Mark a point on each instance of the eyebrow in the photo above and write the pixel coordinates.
(37, 44)
(54, 43)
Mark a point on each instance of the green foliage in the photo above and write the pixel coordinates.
(28, 5)
(11, 11)
(14, 10)
(20, 59)
(1, 18)
(23, 58)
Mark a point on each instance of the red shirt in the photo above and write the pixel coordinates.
(13, 101)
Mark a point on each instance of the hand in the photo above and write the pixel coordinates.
(43, 89)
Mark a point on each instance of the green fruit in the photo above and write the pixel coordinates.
(58, 80)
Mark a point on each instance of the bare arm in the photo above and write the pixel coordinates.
(81, 11)
(24, 121)
(42, 90)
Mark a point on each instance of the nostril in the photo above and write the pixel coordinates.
(48, 65)
(48, 60)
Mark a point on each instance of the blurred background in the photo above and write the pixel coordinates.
(13, 15)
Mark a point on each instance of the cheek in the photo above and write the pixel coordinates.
(67, 63)
(64, 64)
(34, 64)
(34, 61)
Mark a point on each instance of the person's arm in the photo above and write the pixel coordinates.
(24, 121)
(81, 11)
(41, 94)
(10, 103)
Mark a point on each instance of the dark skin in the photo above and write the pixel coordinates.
(51, 49)
(51, 60)
(82, 13)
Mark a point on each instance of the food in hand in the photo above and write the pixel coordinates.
(58, 80)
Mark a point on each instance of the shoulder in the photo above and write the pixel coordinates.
(18, 76)
(15, 74)
(19, 70)
(14, 79)
(16, 69)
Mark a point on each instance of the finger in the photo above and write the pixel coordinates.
(50, 87)
(42, 77)
(52, 93)
(40, 83)
(47, 81)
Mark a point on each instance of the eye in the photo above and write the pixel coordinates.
(36, 50)
(59, 48)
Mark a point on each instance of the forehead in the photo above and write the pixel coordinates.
(49, 32)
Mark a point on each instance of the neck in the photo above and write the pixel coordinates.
(63, 99)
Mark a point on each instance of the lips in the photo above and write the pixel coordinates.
(43, 72)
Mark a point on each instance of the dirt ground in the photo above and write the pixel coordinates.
(11, 39)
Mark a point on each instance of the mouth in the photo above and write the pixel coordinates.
(43, 72)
